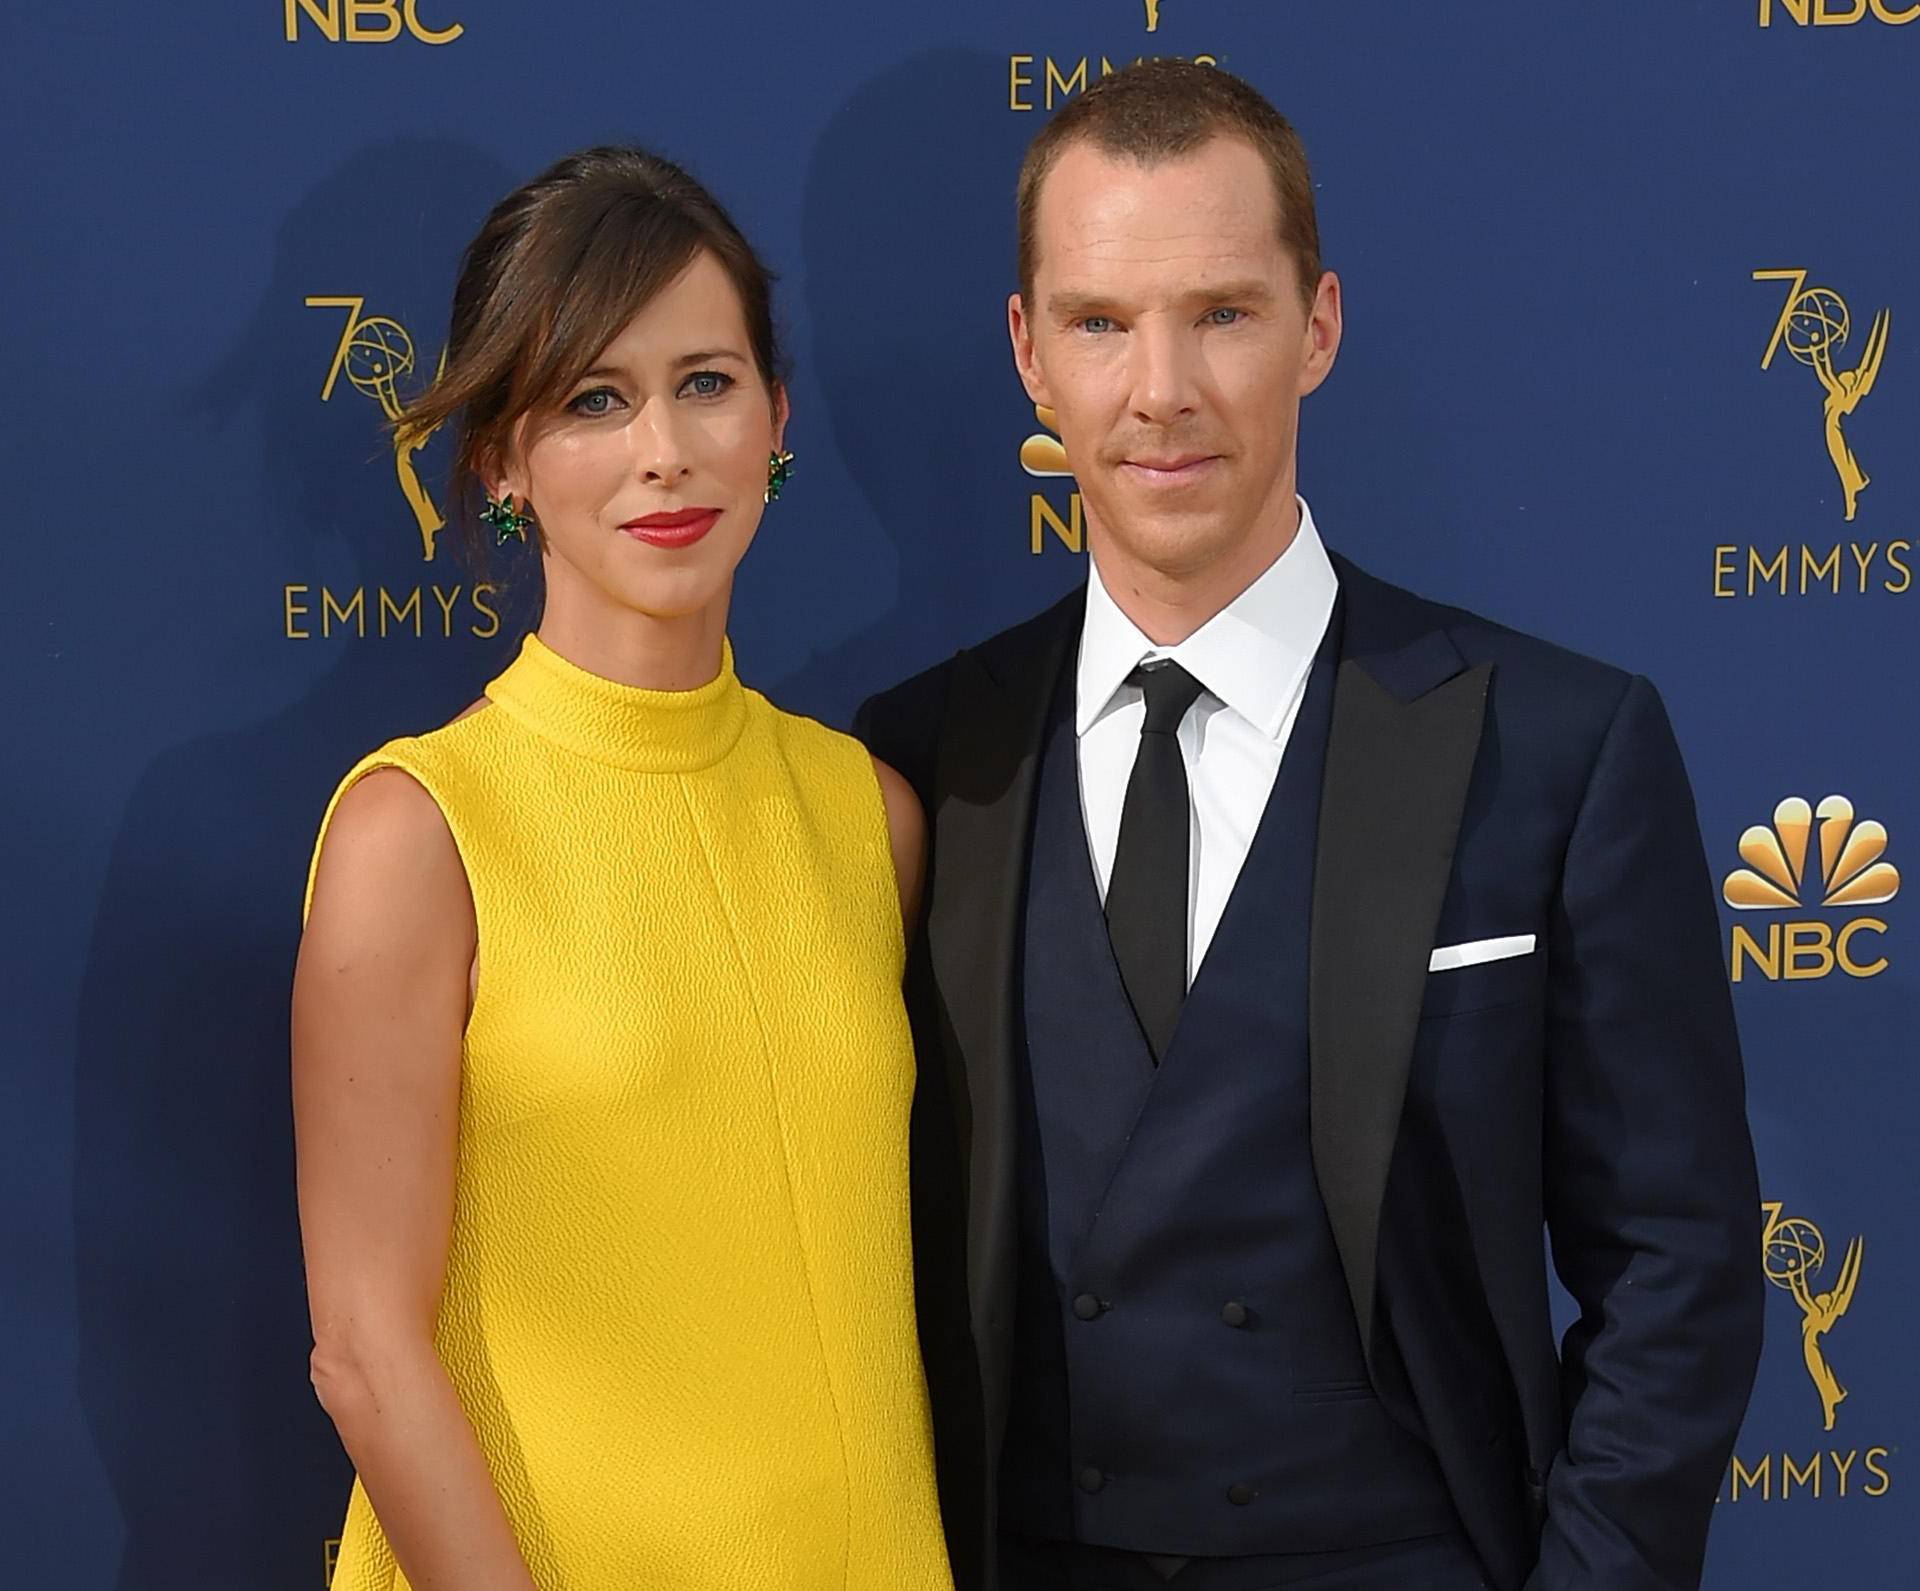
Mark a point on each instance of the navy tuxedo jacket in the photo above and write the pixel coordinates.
(1479, 784)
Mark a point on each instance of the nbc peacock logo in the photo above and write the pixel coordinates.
(1044, 456)
(1851, 872)
(1810, 858)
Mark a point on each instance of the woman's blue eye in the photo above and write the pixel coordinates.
(707, 383)
(598, 401)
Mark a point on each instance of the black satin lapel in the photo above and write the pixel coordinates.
(1393, 792)
(983, 825)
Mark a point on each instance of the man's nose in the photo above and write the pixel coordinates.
(1165, 376)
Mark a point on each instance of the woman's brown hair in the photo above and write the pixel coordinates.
(560, 266)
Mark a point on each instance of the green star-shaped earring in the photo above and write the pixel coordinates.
(779, 472)
(505, 518)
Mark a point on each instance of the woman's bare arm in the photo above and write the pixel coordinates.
(907, 833)
(379, 1004)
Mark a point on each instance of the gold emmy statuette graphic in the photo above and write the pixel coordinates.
(1043, 453)
(1851, 872)
(1814, 323)
(376, 352)
(1794, 1252)
(1153, 16)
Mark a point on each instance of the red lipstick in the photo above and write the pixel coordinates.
(681, 527)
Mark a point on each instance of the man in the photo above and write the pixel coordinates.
(1297, 949)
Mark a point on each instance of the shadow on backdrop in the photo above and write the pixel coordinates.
(908, 238)
(193, 1326)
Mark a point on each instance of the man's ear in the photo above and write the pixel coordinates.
(1025, 360)
(1324, 326)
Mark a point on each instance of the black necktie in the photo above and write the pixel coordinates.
(1147, 894)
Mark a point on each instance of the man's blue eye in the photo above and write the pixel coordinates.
(1225, 317)
(1096, 324)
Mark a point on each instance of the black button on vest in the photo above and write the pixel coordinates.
(1147, 894)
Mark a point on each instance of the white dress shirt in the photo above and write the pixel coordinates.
(1252, 660)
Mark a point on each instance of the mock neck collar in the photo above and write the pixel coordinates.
(645, 731)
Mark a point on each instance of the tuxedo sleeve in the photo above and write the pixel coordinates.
(901, 727)
(1652, 1202)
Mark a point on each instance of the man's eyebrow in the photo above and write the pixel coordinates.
(1071, 306)
(1248, 290)
(1245, 290)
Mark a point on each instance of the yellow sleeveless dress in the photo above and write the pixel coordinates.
(678, 1307)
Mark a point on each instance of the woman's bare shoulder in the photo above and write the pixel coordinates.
(388, 861)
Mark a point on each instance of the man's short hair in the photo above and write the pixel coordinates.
(1155, 111)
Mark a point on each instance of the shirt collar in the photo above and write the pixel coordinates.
(1251, 655)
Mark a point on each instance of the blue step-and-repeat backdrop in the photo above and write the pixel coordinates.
(1631, 361)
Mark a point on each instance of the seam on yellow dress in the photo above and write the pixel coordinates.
(786, 1165)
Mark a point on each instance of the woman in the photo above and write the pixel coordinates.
(601, 1072)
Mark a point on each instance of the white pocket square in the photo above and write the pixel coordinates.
(1475, 951)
